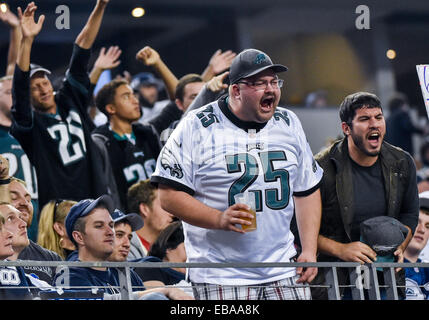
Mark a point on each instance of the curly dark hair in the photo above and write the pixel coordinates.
(107, 93)
(169, 238)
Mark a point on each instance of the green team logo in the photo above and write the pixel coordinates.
(283, 116)
(207, 117)
(275, 198)
(138, 171)
(260, 58)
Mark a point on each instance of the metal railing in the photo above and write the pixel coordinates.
(362, 277)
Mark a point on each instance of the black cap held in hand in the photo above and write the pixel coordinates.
(383, 234)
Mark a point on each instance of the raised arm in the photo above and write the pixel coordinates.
(210, 92)
(87, 36)
(30, 29)
(12, 21)
(219, 62)
(151, 58)
(105, 61)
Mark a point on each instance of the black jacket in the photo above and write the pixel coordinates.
(337, 197)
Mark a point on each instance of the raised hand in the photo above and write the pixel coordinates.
(216, 84)
(108, 60)
(29, 27)
(221, 61)
(148, 56)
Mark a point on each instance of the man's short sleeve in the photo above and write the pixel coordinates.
(309, 172)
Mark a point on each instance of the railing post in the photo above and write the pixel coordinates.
(390, 281)
(374, 289)
(356, 279)
(125, 283)
(331, 278)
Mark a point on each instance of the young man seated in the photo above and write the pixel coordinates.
(90, 226)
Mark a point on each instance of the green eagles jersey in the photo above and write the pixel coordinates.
(20, 167)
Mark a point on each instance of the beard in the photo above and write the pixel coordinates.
(358, 141)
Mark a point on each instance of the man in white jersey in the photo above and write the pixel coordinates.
(243, 142)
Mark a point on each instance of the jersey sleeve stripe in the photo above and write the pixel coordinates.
(171, 183)
(309, 191)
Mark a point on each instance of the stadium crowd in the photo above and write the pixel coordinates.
(120, 175)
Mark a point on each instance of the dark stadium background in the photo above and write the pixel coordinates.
(311, 37)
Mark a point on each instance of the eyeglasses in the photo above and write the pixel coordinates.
(262, 85)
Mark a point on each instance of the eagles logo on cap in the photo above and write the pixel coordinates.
(260, 58)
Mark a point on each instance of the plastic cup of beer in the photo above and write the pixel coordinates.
(249, 199)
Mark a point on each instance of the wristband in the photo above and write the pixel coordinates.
(4, 181)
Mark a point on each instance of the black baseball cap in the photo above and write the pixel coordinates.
(250, 62)
(383, 234)
(83, 208)
(34, 68)
(133, 219)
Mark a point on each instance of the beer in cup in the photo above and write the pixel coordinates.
(249, 199)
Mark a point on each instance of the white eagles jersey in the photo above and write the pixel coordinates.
(213, 155)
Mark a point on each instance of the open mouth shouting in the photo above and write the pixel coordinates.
(267, 103)
(374, 139)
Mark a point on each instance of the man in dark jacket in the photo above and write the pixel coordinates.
(361, 171)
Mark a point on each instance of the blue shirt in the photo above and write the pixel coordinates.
(417, 282)
(14, 284)
(106, 281)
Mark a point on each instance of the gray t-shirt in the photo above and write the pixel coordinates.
(36, 252)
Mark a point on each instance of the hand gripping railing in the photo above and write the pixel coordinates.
(362, 277)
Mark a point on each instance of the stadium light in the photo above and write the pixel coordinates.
(138, 12)
(3, 7)
(391, 54)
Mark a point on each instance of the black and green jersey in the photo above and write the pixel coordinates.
(59, 145)
(20, 167)
(132, 157)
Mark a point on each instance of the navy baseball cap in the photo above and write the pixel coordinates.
(250, 62)
(383, 234)
(133, 219)
(145, 79)
(83, 208)
(34, 68)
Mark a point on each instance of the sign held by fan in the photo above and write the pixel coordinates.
(423, 73)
